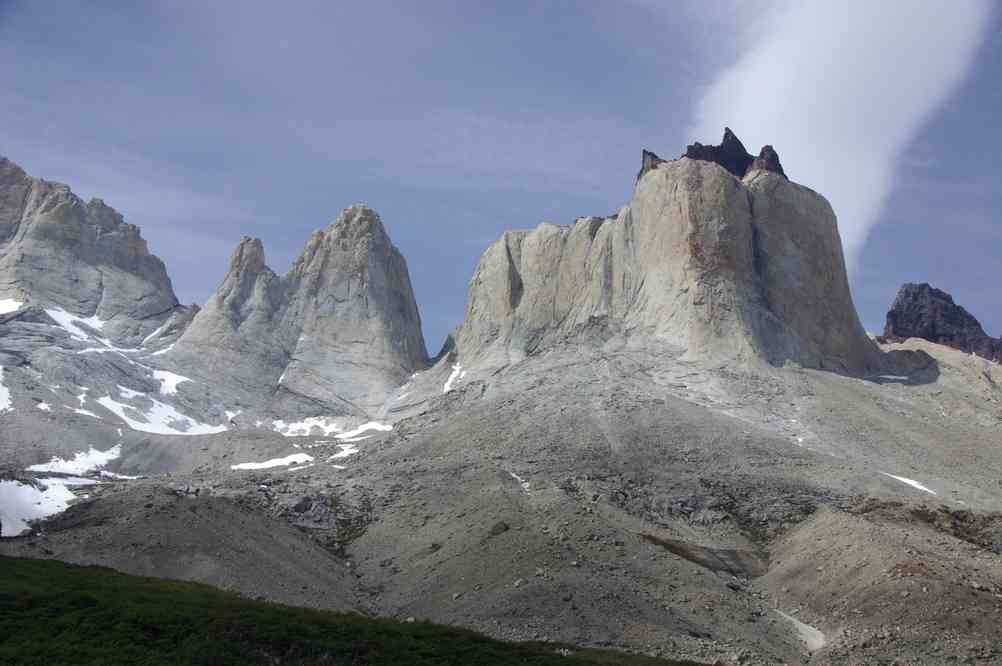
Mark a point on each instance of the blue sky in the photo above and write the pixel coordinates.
(206, 121)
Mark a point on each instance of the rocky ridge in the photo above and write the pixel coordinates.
(80, 258)
(336, 335)
(922, 311)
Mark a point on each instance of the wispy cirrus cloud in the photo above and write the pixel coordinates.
(841, 90)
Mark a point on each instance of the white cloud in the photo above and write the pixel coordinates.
(841, 90)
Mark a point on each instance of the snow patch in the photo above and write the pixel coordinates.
(294, 459)
(44, 406)
(232, 415)
(457, 373)
(21, 503)
(365, 427)
(164, 350)
(911, 482)
(5, 403)
(155, 333)
(346, 450)
(86, 412)
(160, 419)
(71, 324)
(8, 305)
(168, 381)
(81, 463)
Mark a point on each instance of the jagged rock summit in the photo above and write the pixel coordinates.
(61, 253)
(336, 334)
(717, 254)
(730, 154)
(922, 311)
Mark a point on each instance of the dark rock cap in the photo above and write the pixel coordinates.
(730, 154)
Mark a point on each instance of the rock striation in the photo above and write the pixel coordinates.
(336, 334)
(59, 252)
(922, 311)
(717, 253)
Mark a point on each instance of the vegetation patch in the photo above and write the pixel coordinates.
(55, 613)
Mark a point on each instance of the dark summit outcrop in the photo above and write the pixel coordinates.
(731, 155)
(922, 311)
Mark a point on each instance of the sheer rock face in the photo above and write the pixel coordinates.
(922, 311)
(724, 267)
(58, 252)
(338, 333)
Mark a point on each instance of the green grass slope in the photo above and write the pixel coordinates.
(55, 613)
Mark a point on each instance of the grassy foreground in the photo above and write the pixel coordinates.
(56, 613)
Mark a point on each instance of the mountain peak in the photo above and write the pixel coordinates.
(731, 155)
(923, 311)
(702, 259)
(248, 255)
(358, 220)
(82, 258)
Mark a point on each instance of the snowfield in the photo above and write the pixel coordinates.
(161, 419)
(8, 305)
(294, 459)
(81, 463)
(457, 374)
(21, 503)
(70, 324)
(168, 381)
(328, 426)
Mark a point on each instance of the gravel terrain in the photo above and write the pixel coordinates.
(624, 499)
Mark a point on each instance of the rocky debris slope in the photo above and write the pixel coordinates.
(335, 336)
(717, 253)
(81, 259)
(922, 311)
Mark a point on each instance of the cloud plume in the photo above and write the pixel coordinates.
(841, 90)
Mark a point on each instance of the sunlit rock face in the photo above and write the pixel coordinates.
(717, 253)
(58, 252)
(340, 331)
